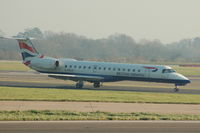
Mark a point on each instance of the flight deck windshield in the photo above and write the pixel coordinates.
(168, 71)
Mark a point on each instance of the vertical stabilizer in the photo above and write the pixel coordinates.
(26, 48)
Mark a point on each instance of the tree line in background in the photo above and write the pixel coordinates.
(116, 47)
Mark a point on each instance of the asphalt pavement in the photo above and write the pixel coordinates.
(100, 127)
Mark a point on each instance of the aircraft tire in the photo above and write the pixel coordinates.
(96, 84)
(176, 90)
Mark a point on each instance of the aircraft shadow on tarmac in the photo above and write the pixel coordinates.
(103, 88)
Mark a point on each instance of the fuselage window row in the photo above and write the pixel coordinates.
(100, 68)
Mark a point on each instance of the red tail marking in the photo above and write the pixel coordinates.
(25, 46)
(42, 56)
(27, 63)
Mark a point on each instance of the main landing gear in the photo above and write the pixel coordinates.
(96, 84)
(79, 84)
(176, 89)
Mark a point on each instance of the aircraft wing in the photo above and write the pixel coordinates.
(75, 77)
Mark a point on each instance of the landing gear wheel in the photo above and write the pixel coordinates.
(79, 84)
(176, 89)
(96, 84)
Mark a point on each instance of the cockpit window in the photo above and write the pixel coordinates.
(168, 71)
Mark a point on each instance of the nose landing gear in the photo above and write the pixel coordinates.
(176, 89)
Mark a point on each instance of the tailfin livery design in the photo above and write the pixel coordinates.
(27, 49)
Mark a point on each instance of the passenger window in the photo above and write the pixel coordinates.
(113, 69)
(109, 68)
(75, 66)
(104, 68)
(133, 70)
(89, 67)
(118, 69)
(138, 70)
(84, 67)
(99, 68)
(128, 70)
(70, 66)
(95, 67)
(79, 67)
(123, 69)
(65, 66)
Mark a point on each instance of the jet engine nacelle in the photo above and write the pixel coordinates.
(45, 63)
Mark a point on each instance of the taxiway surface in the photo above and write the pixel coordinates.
(101, 126)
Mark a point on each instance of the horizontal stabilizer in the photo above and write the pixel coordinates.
(17, 38)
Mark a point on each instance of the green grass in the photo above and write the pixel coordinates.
(12, 66)
(34, 115)
(38, 94)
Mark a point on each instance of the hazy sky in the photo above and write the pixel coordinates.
(167, 20)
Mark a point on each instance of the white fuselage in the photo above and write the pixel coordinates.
(115, 71)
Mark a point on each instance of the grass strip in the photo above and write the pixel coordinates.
(43, 94)
(13, 66)
(47, 115)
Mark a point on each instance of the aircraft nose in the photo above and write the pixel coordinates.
(188, 81)
(184, 79)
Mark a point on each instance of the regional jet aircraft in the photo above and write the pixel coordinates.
(96, 72)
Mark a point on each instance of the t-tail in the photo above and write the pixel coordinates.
(32, 58)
